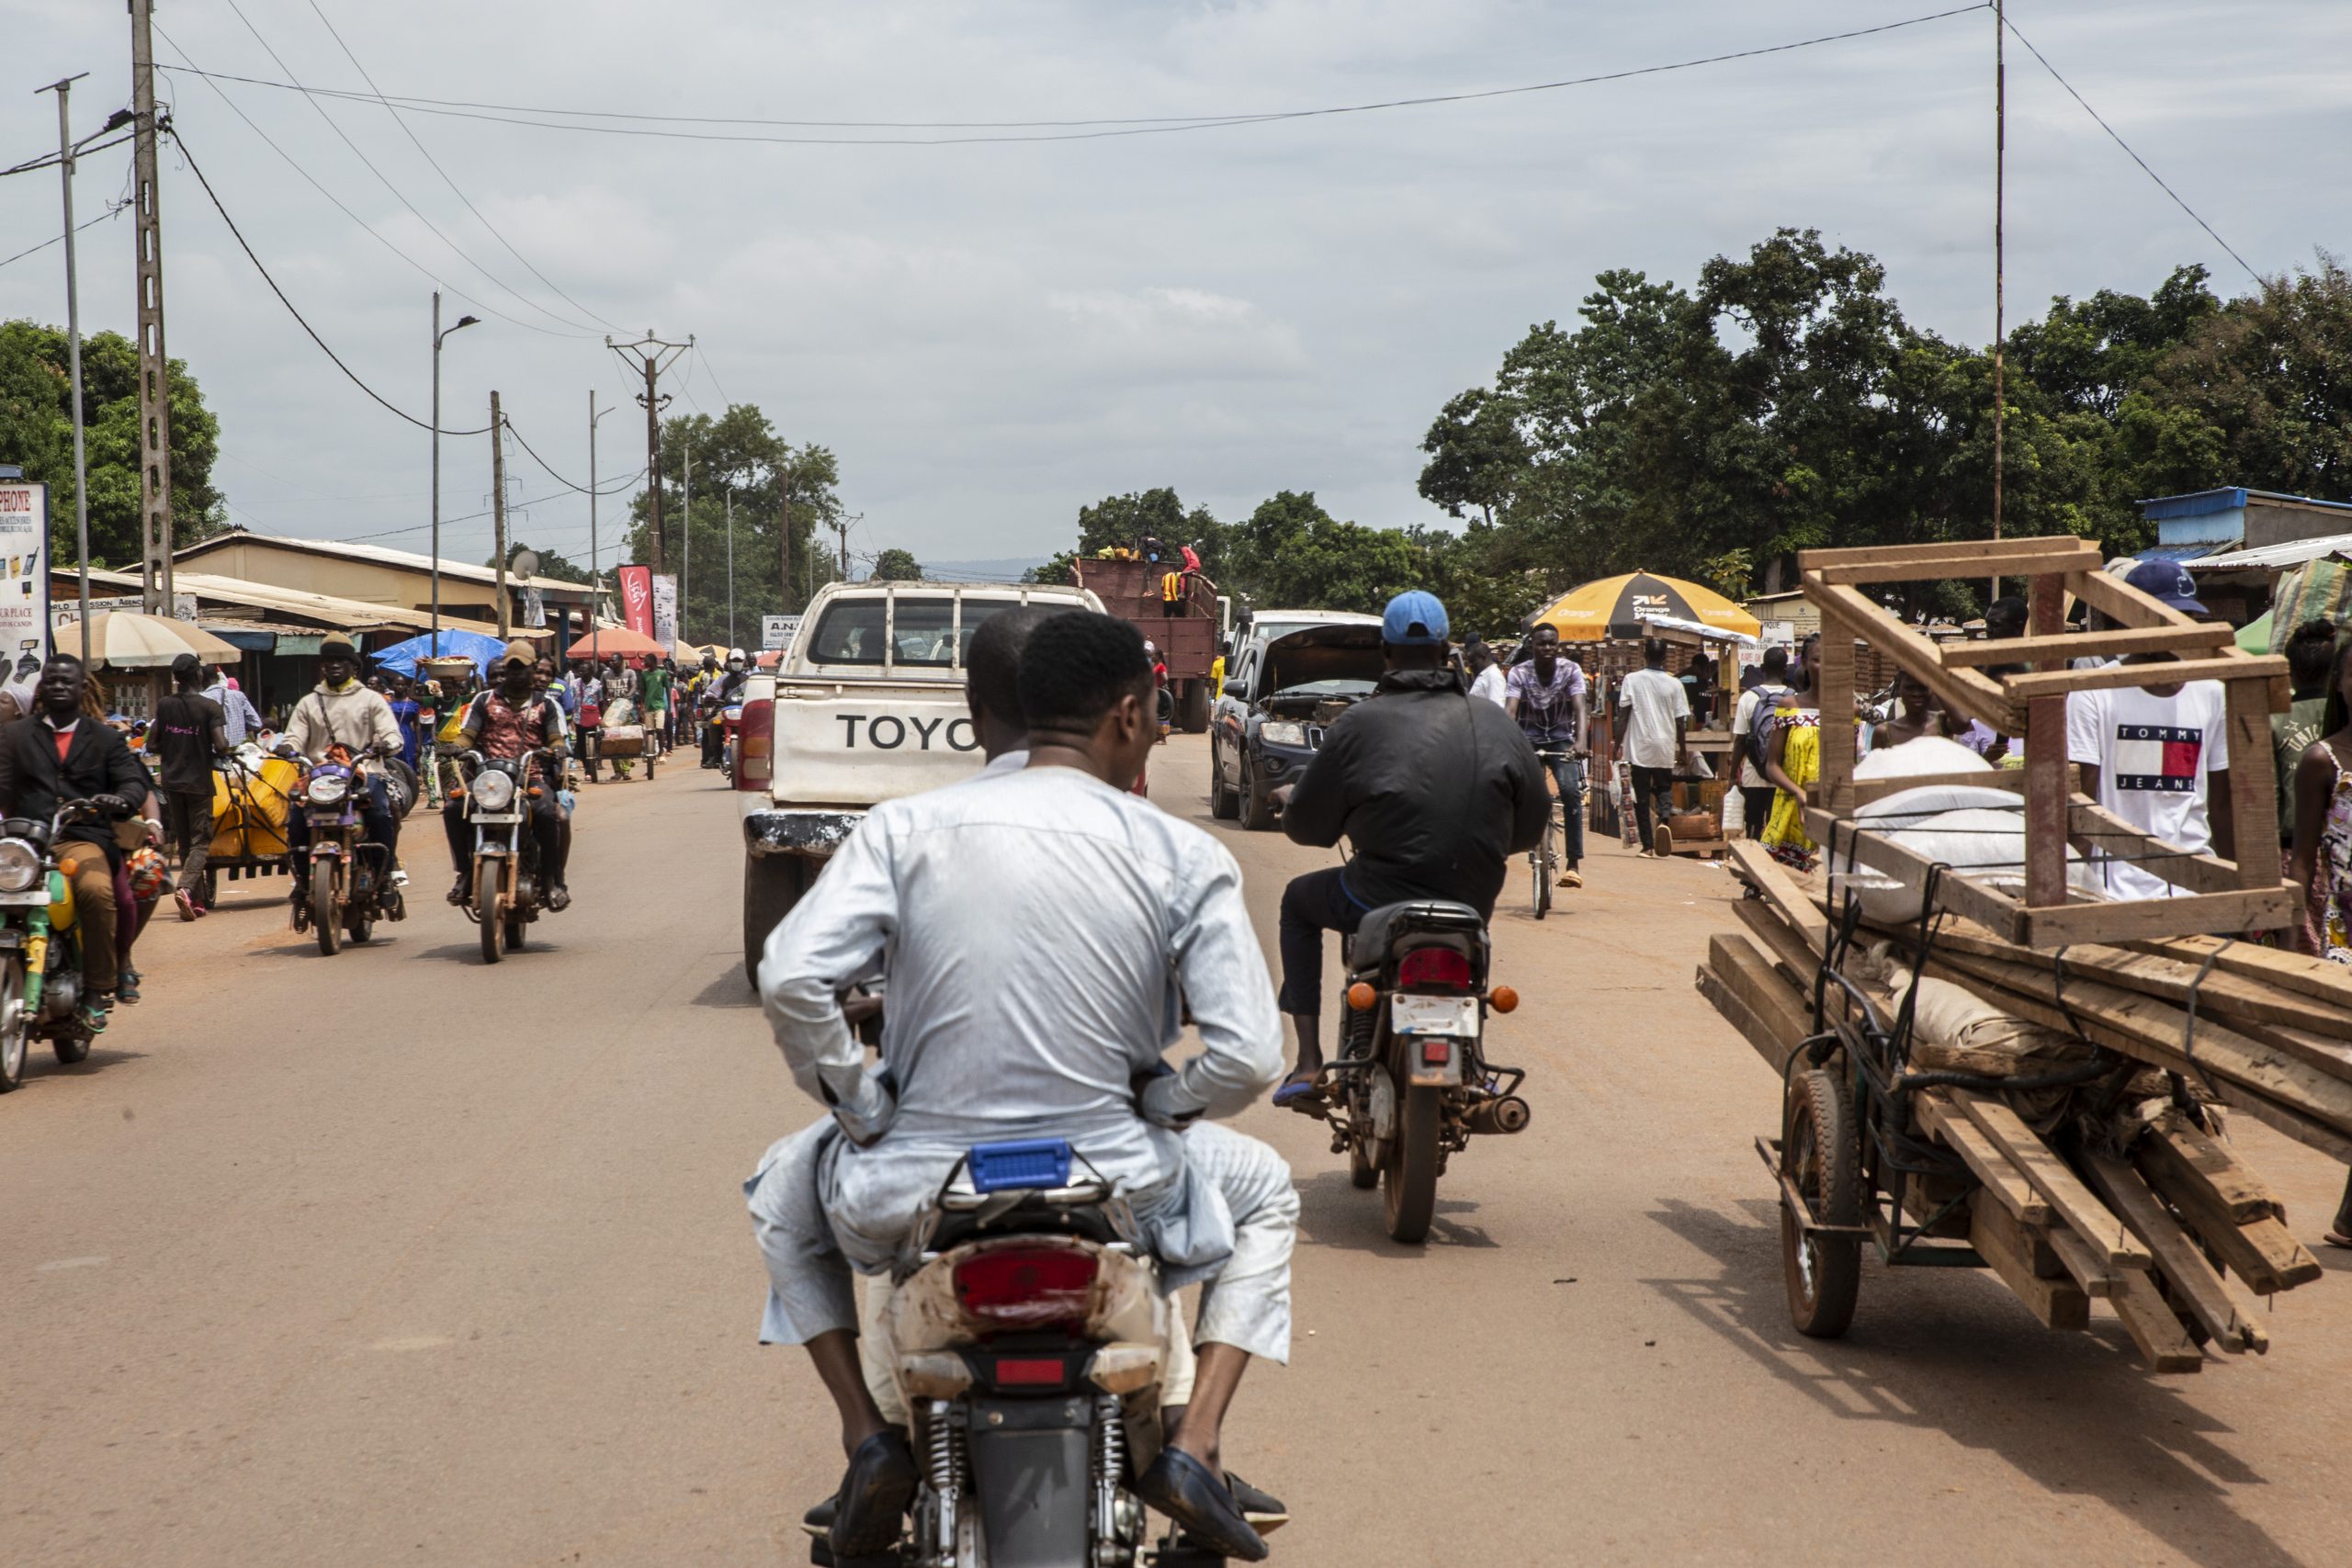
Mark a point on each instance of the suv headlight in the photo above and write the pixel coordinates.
(1283, 732)
(492, 791)
(328, 789)
(21, 866)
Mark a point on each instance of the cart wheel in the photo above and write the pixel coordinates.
(1822, 1153)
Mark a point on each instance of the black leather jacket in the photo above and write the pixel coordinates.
(1434, 790)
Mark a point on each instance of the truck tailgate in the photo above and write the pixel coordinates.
(843, 743)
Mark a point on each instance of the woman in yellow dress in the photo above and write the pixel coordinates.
(1792, 761)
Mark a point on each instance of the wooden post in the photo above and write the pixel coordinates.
(2254, 799)
(1835, 691)
(2047, 772)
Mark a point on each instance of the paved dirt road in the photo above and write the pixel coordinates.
(392, 1259)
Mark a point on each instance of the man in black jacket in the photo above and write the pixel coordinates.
(57, 754)
(1434, 790)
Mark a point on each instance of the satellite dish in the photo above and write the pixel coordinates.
(524, 564)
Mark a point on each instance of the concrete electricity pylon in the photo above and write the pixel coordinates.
(648, 358)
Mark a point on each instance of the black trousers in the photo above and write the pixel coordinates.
(1651, 785)
(1756, 810)
(1312, 904)
(546, 832)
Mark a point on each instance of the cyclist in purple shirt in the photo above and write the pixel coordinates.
(1546, 693)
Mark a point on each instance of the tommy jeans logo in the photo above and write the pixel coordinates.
(2161, 757)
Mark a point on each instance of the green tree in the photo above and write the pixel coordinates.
(897, 565)
(1123, 521)
(37, 434)
(742, 469)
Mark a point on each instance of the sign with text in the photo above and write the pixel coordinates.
(665, 613)
(637, 598)
(775, 631)
(24, 552)
(70, 607)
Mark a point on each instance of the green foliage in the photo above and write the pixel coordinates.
(739, 459)
(37, 434)
(1729, 574)
(897, 565)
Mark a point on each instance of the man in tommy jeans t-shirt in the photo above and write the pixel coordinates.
(2158, 756)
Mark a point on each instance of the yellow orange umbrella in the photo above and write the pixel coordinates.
(1617, 606)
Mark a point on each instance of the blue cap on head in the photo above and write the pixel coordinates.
(2169, 582)
(1413, 619)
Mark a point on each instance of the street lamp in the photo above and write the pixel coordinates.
(438, 335)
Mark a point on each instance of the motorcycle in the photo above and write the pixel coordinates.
(1412, 1083)
(348, 876)
(1029, 1335)
(40, 945)
(507, 888)
(726, 716)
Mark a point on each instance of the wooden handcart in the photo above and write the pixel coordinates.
(2121, 1187)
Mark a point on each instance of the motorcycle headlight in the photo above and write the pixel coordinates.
(21, 866)
(492, 791)
(1283, 732)
(328, 789)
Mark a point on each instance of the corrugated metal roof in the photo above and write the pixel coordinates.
(2294, 552)
(2182, 553)
(378, 554)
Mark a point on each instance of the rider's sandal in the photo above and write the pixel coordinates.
(1301, 1092)
(2337, 1238)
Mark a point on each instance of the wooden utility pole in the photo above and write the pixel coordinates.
(498, 513)
(784, 529)
(2000, 170)
(648, 358)
(154, 394)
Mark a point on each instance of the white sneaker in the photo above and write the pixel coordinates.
(399, 879)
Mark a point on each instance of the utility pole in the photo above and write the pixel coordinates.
(648, 358)
(155, 396)
(63, 89)
(784, 529)
(498, 512)
(731, 566)
(2000, 171)
(686, 538)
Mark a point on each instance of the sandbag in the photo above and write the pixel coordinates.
(1928, 755)
(1985, 844)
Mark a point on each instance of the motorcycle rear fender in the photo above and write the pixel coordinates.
(1033, 1473)
(1422, 1073)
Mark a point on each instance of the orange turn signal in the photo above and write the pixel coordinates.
(535, 792)
(1502, 999)
(70, 868)
(1361, 996)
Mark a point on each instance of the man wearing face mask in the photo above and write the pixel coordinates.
(1546, 694)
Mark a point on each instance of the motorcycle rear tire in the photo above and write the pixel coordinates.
(323, 907)
(360, 927)
(1409, 1184)
(494, 929)
(1362, 1175)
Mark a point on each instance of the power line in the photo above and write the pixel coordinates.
(114, 209)
(238, 235)
(423, 271)
(51, 160)
(2134, 156)
(704, 360)
(582, 489)
(1059, 130)
(385, 180)
(446, 180)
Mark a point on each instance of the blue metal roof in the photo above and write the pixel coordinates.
(2233, 499)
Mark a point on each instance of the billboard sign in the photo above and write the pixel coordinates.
(24, 552)
(665, 613)
(637, 598)
(775, 631)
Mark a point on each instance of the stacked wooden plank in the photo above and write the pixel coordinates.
(2135, 1202)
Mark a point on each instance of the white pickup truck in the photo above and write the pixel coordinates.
(866, 705)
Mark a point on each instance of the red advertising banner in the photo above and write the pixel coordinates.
(637, 598)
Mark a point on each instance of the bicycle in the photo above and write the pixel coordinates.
(1543, 860)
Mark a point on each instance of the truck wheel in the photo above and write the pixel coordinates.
(1258, 805)
(1224, 804)
(771, 885)
(1193, 708)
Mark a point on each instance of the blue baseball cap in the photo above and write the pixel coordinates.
(2168, 582)
(1414, 619)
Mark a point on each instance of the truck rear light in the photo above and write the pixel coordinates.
(1434, 966)
(755, 745)
(1026, 1287)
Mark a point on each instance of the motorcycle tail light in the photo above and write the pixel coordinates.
(1433, 966)
(1025, 1287)
(1436, 1052)
(1040, 1371)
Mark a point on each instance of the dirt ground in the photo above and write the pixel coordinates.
(389, 1258)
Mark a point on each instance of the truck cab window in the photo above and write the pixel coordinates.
(926, 632)
(850, 633)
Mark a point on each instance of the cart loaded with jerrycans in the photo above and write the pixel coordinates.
(1987, 1063)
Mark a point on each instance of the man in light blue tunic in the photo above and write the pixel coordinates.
(1042, 931)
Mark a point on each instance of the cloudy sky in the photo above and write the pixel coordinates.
(991, 333)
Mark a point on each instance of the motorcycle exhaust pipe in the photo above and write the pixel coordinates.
(1507, 1114)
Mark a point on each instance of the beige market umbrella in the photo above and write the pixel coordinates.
(130, 640)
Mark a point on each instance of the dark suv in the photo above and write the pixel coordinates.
(1288, 681)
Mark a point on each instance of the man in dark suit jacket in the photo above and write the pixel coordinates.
(56, 754)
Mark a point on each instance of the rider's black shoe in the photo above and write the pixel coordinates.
(1185, 1490)
(871, 1506)
(463, 890)
(558, 897)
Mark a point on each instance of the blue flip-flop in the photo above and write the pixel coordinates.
(1302, 1095)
